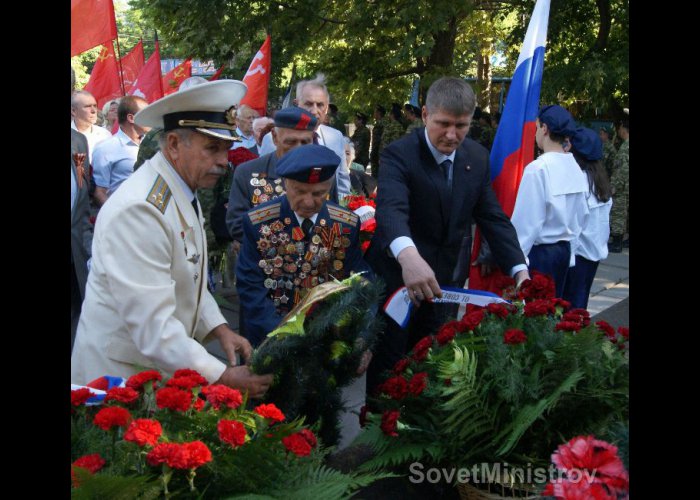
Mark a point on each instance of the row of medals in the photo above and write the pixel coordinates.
(294, 266)
(268, 192)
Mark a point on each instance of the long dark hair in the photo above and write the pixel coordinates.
(598, 182)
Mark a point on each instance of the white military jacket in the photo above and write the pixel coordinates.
(146, 302)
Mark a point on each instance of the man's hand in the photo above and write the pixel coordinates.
(236, 246)
(364, 362)
(418, 277)
(233, 343)
(241, 378)
(520, 277)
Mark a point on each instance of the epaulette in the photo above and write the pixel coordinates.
(265, 213)
(342, 215)
(160, 194)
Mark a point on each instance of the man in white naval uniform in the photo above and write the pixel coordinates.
(146, 303)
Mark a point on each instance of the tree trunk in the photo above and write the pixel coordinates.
(483, 81)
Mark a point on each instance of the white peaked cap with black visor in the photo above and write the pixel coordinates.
(202, 107)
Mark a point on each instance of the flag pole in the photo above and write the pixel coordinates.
(121, 71)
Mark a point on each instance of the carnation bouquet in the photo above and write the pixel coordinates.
(184, 437)
(505, 383)
(365, 208)
(317, 349)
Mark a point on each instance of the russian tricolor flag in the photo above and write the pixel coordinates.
(514, 145)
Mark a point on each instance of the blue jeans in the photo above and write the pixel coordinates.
(552, 259)
(579, 280)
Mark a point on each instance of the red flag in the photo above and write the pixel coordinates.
(174, 77)
(104, 79)
(258, 78)
(131, 65)
(149, 83)
(216, 75)
(92, 23)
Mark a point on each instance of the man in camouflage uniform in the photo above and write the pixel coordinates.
(393, 129)
(148, 147)
(361, 139)
(377, 133)
(619, 215)
(609, 151)
(413, 116)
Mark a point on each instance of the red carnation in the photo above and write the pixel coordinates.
(187, 372)
(309, 436)
(231, 432)
(564, 304)
(198, 404)
(125, 395)
(164, 453)
(624, 331)
(606, 328)
(389, 419)
(364, 246)
(143, 431)
(568, 326)
(503, 283)
(297, 445)
(498, 310)
(269, 411)
(198, 453)
(420, 350)
(137, 381)
(599, 458)
(580, 490)
(447, 332)
(219, 394)
(369, 226)
(395, 387)
(401, 366)
(578, 315)
(538, 307)
(539, 286)
(92, 463)
(448, 382)
(79, 396)
(111, 416)
(418, 383)
(187, 383)
(173, 399)
(471, 320)
(514, 336)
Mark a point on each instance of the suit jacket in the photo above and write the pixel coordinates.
(267, 270)
(80, 230)
(146, 303)
(242, 196)
(333, 140)
(413, 200)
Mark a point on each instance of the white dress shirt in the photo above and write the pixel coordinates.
(94, 136)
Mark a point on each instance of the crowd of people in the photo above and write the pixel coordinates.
(141, 296)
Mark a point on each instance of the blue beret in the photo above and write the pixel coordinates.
(557, 119)
(296, 118)
(587, 143)
(311, 163)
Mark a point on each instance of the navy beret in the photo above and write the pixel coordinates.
(587, 143)
(557, 119)
(311, 163)
(296, 118)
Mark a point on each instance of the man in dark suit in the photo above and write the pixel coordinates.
(80, 230)
(433, 183)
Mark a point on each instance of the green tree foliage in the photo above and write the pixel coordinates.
(371, 50)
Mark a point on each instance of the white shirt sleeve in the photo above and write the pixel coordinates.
(399, 244)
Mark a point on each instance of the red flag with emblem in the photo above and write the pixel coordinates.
(104, 78)
(92, 23)
(174, 77)
(149, 83)
(258, 79)
(132, 64)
